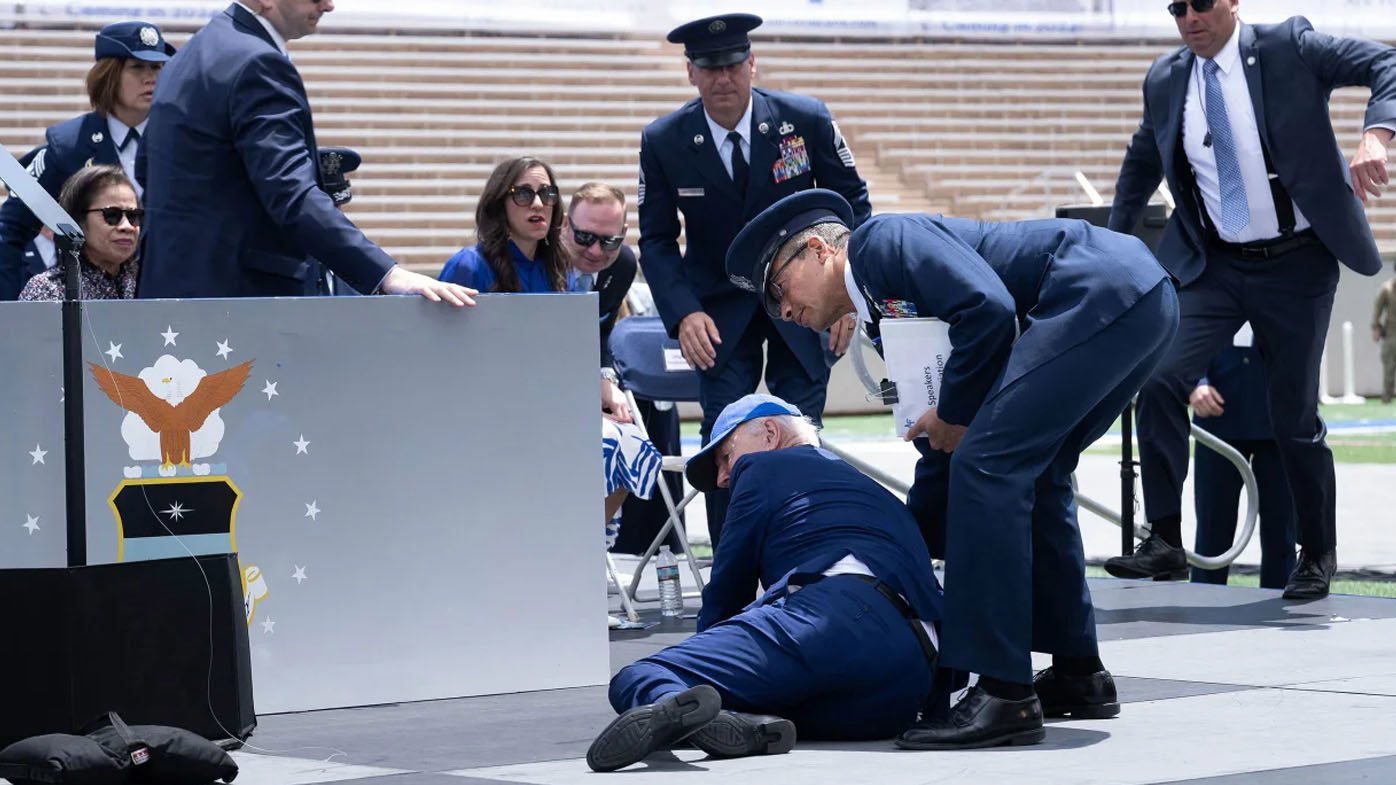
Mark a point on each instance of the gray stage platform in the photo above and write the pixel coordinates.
(1222, 686)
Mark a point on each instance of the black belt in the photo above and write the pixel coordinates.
(907, 612)
(1266, 249)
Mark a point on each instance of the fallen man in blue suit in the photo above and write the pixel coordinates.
(841, 644)
(1053, 326)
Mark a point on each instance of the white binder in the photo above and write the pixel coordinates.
(915, 351)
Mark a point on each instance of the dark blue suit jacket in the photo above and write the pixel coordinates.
(1295, 69)
(799, 510)
(1239, 375)
(234, 206)
(681, 171)
(1059, 281)
(68, 147)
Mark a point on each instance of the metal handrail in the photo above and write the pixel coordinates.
(1201, 435)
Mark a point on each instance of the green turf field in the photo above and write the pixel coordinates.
(1363, 588)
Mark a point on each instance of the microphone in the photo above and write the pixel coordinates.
(1207, 140)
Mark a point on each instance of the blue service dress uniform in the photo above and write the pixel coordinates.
(835, 656)
(68, 147)
(1093, 312)
(1238, 373)
(795, 145)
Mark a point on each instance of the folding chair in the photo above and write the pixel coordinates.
(651, 368)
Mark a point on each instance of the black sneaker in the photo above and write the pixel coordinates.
(734, 734)
(1154, 558)
(644, 729)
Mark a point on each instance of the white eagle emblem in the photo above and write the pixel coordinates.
(149, 36)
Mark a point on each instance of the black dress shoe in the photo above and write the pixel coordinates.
(1311, 575)
(734, 734)
(1154, 558)
(644, 729)
(1089, 697)
(979, 720)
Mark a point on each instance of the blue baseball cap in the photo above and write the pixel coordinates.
(716, 41)
(139, 40)
(751, 252)
(702, 467)
(335, 162)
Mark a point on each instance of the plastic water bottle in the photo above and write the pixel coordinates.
(670, 592)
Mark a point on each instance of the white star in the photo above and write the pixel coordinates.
(311, 511)
(299, 575)
(301, 445)
(169, 335)
(31, 523)
(224, 349)
(270, 389)
(38, 454)
(268, 626)
(113, 350)
(177, 511)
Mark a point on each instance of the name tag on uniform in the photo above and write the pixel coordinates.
(794, 159)
(690, 192)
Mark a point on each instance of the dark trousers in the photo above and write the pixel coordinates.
(739, 375)
(1287, 301)
(1217, 492)
(835, 657)
(1015, 574)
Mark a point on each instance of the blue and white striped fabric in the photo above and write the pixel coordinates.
(631, 462)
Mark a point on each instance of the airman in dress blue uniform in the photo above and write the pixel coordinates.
(1092, 313)
(690, 164)
(840, 645)
(90, 138)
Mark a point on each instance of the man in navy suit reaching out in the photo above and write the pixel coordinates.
(1237, 122)
(234, 203)
(841, 644)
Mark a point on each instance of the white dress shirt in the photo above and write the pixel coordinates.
(118, 131)
(1231, 75)
(860, 303)
(724, 147)
(275, 36)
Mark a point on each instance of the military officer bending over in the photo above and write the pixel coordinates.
(1096, 313)
(847, 656)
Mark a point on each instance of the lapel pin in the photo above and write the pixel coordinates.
(698, 139)
(764, 127)
(97, 138)
(786, 128)
(1250, 60)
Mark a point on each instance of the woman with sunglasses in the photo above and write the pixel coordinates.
(516, 220)
(104, 202)
(120, 83)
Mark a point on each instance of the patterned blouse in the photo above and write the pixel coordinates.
(93, 283)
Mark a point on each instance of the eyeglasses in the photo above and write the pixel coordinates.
(112, 215)
(585, 239)
(773, 290)
(523, 195)
(1180, 9)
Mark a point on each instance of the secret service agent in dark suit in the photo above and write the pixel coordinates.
(1096, 313)
(234, 203)
(1231, 404)
(690, 165)
(89, 138)
(1237, 121)
(840, 644)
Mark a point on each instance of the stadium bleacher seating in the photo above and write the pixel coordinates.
(989, 130)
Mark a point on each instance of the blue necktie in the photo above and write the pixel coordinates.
(585, 282)
(1236, 212)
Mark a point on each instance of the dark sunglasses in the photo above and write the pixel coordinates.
(112, 215)
(585, 239)
(523, 195)
(1180, 9)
